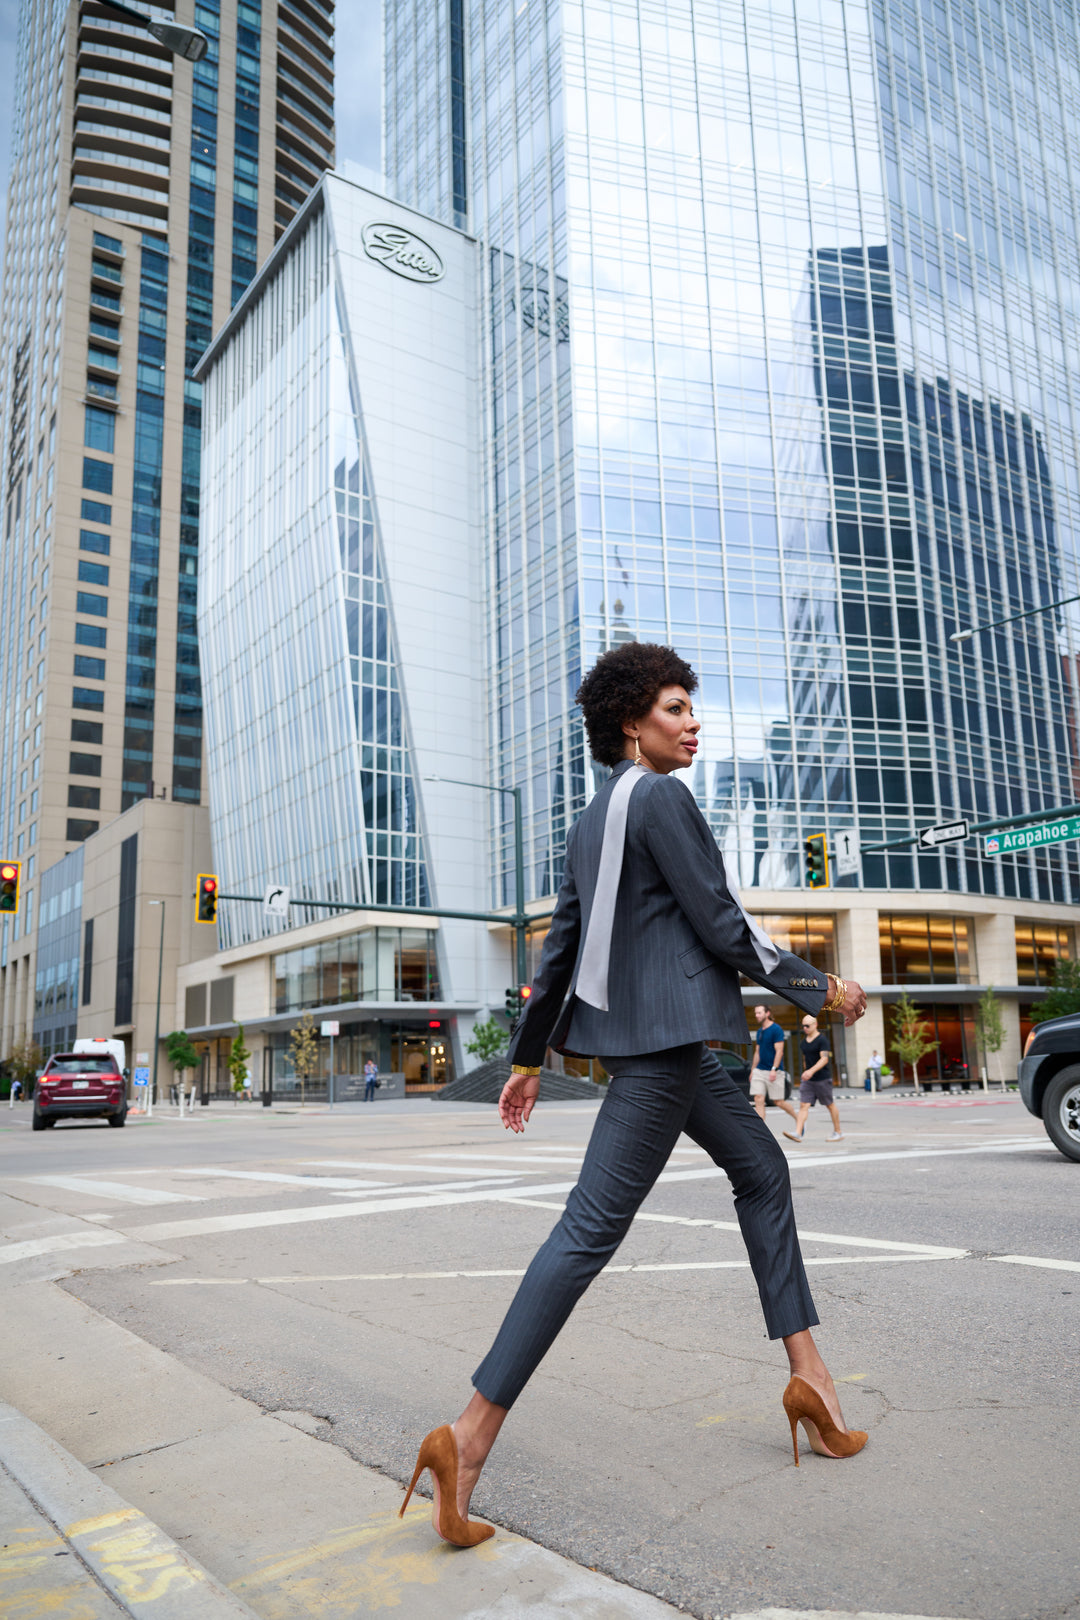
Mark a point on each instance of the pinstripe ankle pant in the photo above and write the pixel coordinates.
(650, 1100)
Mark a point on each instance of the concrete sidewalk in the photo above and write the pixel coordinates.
(172, 1488)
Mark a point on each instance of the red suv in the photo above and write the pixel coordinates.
(75, 1086)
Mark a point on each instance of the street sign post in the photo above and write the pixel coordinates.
(846, 859)
(1043, 832)
(946, 832)
(331, 1027)
(276, 902)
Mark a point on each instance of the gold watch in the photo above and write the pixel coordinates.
(520, 1068)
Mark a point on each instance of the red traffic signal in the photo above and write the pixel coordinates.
(9, 887)
(524, 991)
(206, 897)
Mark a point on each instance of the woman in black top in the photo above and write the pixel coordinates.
(816, 1085)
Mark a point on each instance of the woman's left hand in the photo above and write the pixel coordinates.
(518, 1100)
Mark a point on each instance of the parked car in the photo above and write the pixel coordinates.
(736, 1066)
(1050, 1080)
(77, 1085)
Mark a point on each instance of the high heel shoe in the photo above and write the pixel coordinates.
(438, 1451)
(804, 1405)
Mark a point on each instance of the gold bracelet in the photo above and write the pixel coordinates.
(840, 997)
(519, 1068)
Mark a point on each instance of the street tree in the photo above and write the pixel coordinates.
(181, 1054)
(489, 1040)
(23, 1062)
(1063, 996)
(304, 1051)
(911, 1034)
(989, 1025)
(239, 1057)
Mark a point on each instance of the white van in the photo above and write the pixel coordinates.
(103, 1047)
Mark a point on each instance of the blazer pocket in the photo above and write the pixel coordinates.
(696, 960)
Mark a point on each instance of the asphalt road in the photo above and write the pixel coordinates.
(364, 1285)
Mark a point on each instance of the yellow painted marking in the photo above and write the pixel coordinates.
(135, 1555)
(850, 1378)
(371, 1567)
(103, 1521)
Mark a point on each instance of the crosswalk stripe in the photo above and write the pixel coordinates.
(114, 1190)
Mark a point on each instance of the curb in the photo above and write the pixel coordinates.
(148, 1575)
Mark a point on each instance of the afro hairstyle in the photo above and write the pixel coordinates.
(623, 685)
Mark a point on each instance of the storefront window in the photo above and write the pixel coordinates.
(375, 964)
(926, 949)
(952, 1062)
(1039, 948)
(805, 934)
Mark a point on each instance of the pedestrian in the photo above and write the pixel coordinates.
(767, 1077)
(873, 1071)
(371, 1080)
(816, 1086)
(246, 1094)
(15, 1094)
(640, 967)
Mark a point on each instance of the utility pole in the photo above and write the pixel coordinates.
(520, 919)
(157, 1012)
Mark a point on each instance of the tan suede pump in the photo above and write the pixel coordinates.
(438, 1451)
(804, 1405)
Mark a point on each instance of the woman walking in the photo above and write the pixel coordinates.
(640, 967)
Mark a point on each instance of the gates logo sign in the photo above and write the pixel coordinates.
(402, 252)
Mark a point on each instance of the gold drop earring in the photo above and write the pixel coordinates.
(637, 752)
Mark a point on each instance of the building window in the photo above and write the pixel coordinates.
(90, 541)
(917, 948)
(85, 697)
(85, 765)
(803, 934)
(89, 602)
(92, 573)
(78, 830)
(88, 960)
(83, 798)
(96, 512)
(125, 929)
(1039, 948)
(100, 432)
(376, 964)
(91, 669)
(89, 635)
(87, 731)
(97, 475)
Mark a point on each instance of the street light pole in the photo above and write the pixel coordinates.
(157, 1010)
(189, 43)
(1010, 618)
(519, 919)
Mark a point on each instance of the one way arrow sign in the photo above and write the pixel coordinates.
(948, 832)
(276, 902)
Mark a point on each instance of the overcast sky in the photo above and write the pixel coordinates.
(359, 84)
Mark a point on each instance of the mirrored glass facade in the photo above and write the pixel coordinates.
(779, 354)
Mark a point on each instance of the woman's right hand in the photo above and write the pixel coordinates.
(518, 1100)
(854, 1003)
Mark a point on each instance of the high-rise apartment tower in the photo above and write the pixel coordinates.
(144, 192)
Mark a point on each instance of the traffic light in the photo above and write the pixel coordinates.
(206, 894)
(816, 861)
(9, 887)
(516, 997)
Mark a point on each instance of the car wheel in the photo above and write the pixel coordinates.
(38, 1121)
(1061, 1112)
(118, 1119)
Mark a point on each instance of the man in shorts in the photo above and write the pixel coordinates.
(816, 1086)
(767, 1077)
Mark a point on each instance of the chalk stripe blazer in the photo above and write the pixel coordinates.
(679, 938)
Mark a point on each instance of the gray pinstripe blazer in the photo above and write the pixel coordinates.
(679, 942)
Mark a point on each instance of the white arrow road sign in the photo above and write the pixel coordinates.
(948, 832)
(845, 852)
(276, 902)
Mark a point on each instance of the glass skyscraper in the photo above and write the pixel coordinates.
(780, 350)
(144, 190)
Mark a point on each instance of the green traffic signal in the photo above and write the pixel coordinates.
(816, 861)
(513, 1003)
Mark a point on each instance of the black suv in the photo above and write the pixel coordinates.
(1050, 1080)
